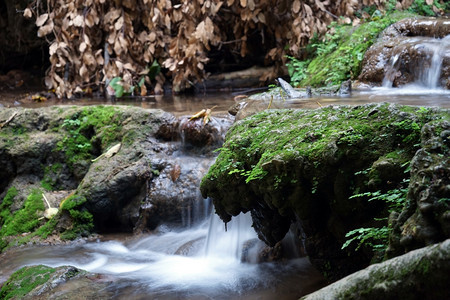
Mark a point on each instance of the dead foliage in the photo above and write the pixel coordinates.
(93, 41)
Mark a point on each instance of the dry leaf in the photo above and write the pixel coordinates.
(44, 30)
(296, 6)
(27, 13)
(41, 20)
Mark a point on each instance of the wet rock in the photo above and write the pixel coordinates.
(303, 166)
(419, 274)
(402, 54)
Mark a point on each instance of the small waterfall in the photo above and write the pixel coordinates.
(430, 75)
(229, 243)
(391, 69)
(426, 71)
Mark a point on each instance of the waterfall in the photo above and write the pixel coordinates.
(229, 243)
(427, 71)
(429, 76)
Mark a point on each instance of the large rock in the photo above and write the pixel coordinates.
(303, 166)
(405, 50)
(419, 274)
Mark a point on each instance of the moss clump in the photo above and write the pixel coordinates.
(88, 129)
(25, 219)
(289, 134)
(82, 219)
(24, 281)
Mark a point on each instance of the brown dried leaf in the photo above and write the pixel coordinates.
(44, 30)
(78, 21)
(27, 13)
(296, 6)
(41, 20)
(82, 47)
(251, 4)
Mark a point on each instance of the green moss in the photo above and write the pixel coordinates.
(82, 219)
(287, 134)
(96, 125)
(24, 281)
(25, 219)
(6, 204)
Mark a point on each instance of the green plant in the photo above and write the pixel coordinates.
(120, 88)
(297, 70)
(377, 237)
(82, 219)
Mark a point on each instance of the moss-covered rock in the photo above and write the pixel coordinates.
(304, 165)
(65, 282)
(420, 274)
(24, 280)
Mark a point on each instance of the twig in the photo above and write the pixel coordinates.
(46, 201)
(9, 120)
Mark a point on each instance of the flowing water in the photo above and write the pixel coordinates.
(202, 262)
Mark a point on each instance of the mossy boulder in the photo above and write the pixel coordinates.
(303, 166)
(419, 274)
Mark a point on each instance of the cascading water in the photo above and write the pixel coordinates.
(426, 71)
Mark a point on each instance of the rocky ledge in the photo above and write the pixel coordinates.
(324, 171)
